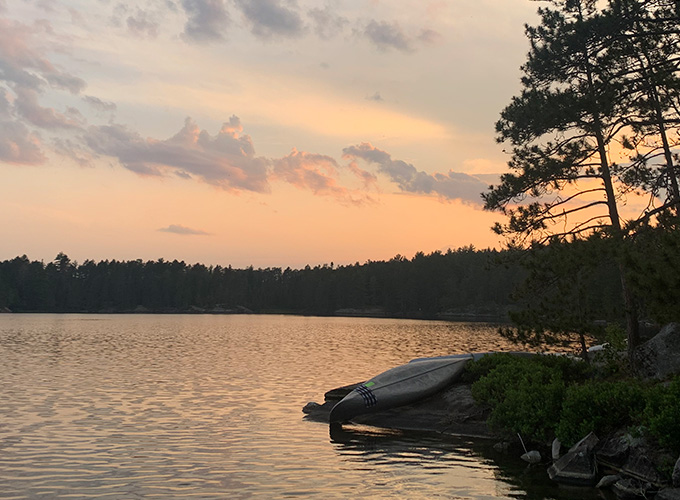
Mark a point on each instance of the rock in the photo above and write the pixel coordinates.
(676, 474)
(502, 447)
(640, 466)
(316, 412)
(660, 356)
(668, 494)
(613, 451)
(556, 447)
(607, 481)
(631, 489)
(578, 466)
(340, 392)
(311, 407)
(533, 457)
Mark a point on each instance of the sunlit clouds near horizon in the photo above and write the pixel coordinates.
(259, 132)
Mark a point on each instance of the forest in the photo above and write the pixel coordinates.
(459, 284)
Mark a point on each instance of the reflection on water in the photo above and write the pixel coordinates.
(142, 406)
(456, 467)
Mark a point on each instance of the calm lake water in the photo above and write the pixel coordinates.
(187, 406)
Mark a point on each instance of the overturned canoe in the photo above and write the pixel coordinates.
(399, 386)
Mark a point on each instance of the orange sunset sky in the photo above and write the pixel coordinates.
(252, 132)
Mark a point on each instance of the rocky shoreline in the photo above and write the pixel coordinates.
(452, 411)
(626, 464)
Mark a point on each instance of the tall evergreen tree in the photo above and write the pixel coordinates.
(563, 184)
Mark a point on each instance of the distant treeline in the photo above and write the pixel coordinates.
(464, 283)
(459, 282)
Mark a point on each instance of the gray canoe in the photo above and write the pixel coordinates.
(399, 386)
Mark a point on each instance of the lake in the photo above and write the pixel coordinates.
(209, 406)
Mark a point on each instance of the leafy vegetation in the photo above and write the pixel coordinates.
(662, 414)
(525, 398)
(599, 407)
(543, 397)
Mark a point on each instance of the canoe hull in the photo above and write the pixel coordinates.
(399, 386)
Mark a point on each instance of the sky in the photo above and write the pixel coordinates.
(271, 133)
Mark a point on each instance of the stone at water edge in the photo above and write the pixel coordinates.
(613, 451)
(533, 457)
(578, 465)
(502, 447)
(556, 448)
(676, 474)
(607, 481)
(632, 489)
(640, 466)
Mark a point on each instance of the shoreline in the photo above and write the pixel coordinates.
(453, 412)
(445, 316)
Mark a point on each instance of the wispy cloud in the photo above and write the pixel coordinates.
(207, 20)
(317, 173)
(28, 107)
(183, 230)
(18, 144)
(448, 186)
(327, 23)
(270, 18)
(226, 160)
(25, 73)
(142, 24)
(386, 36)
(99, 104)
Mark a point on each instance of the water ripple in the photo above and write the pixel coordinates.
(127, 407)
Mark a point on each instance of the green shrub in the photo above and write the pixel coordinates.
(570, 370)
(525, 395)
(474, 370)
(599, 407)
(662, 414)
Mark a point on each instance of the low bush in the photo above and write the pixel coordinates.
(543, 397)
(599, 407)
(662, 414)
(525, 394)
(474, 370)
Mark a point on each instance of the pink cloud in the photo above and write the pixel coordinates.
(448, 186)
(226, 160)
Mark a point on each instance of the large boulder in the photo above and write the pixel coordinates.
(612, 452)
(578, 466)
(659, 357)
(640, 465)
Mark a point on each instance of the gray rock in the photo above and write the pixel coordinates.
(578, 466)
(676, 474)
(668, 494)
(608, 481)
(533, 457)
(631, 489)
(613, 451)
(340, 392)
(659, 357)
(556, 447)
(640, 466)
(502, 447)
